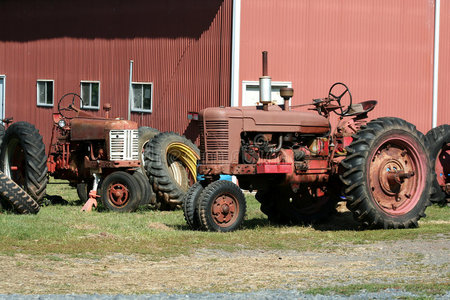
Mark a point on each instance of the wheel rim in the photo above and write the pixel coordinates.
(14, 165)
(225, 210)
(118, 194)
(396, 175)
(442, 166)
(179, 173)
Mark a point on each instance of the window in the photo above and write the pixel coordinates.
(142, 94)
(90, 93)
(250, 92)
(45, 92)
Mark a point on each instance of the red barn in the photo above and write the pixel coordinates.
(191, 54)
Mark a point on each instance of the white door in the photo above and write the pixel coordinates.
(2, 97)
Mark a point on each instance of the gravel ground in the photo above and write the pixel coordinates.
(252, 274)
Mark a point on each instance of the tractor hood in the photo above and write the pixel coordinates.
(97, 128)
(255, 119)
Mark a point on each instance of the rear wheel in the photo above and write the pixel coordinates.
(221, 207)
(120, 192)
(438, 144)
(83, 189)
(23, 159)
(386, 174)
(14, 196)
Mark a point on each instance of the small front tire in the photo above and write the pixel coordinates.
(221, 207)
(120, 192)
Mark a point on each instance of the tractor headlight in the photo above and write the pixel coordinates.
(61, 123)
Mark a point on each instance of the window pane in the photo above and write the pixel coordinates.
(137, 96)
(41, 92)
(147, 97)
(85, 87)
(95, 97)
(49, 92)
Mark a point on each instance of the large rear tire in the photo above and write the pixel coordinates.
(221, 207)
(438, 144)
(170, 161)
(387, 174)
(23, 159)
(14, 196)
(120, 192)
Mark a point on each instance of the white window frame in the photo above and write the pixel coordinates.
(276, 85)
(45, 93)
(142, 110)
(90, 107)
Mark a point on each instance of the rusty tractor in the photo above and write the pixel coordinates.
(98, 155)
(301, 166)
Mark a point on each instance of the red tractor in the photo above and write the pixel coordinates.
(98, 155)
(301, 166)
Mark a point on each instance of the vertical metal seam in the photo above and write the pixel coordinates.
(235, 52)
(437, 22)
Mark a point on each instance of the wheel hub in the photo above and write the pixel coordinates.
(118, 194)
(392, 175)
(224, 209)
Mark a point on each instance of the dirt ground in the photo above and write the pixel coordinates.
(417, 261)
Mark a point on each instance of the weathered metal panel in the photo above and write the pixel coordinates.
(382, 49)
(444, 66)
(182, 47)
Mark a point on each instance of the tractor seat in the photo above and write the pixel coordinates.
(361, 108)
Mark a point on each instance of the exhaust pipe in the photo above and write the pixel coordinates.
(265, 85)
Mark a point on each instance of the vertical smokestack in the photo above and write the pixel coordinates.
(265, 84)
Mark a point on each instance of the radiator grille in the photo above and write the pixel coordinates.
(123, 145)
(214, 142)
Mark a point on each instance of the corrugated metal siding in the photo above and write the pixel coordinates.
(382, 49)
(183, 47)
(444, 66)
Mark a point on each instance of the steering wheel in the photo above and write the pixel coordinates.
(338, 98)
(70, 107)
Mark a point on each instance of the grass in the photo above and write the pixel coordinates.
(63, 229)
(424, 291)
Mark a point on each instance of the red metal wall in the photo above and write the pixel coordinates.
(183, 47)
(382, 49)
(444, 66)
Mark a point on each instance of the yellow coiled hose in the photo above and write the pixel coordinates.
(186, 155)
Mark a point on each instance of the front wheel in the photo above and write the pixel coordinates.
(387, 174)
(221, 207)
(120, 192)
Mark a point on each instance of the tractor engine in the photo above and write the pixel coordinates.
(289, 145)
